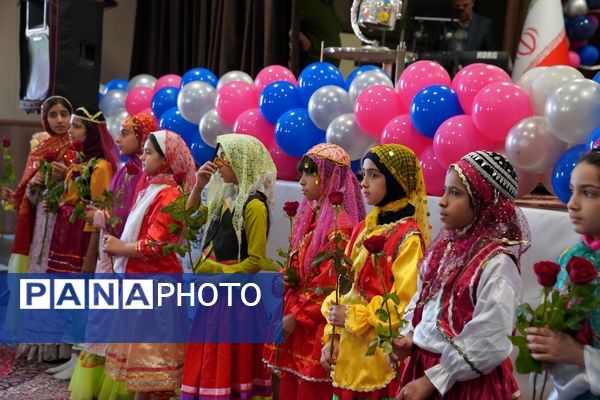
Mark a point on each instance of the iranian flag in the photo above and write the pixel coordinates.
(543, 40)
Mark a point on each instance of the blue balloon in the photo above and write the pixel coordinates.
(433, 105)
(295, 132)
(581, 28)
(593, 140)
(163, 100)
(356, 165)
(277, 98)
(120, 84)
(561, 173)
(593, 4)
(201, 151)
(315, 76)
(358, 71)
(597, 77)
(173, 121)
(588, 54)
(199, 74)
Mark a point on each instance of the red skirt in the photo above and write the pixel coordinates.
(499, 384)
(69, 243)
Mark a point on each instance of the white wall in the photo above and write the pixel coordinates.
(116, 52)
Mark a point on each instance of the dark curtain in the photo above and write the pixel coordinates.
(172, 36)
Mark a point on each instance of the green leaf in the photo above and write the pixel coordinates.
(518, 341)
(382, 314)
(282, 253)
(319, 258)
(174, 228)
(382, 331)
(347, 260)
(525, 363)
(393, 297)
(344, 284)
(387, 348)
(371, 349)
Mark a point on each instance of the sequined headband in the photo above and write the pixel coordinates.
(495, 169)
(84, 114)
(331, 152)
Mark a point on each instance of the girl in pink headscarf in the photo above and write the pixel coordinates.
(145, 368)
(325, 169)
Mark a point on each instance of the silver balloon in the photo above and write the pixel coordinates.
(144, 80)
(211, 126)
(532, 147)
(114, 122)
(546, 82)
(345, 132)
(233, 76)
(366, 80)
(576, 8)
(113, 101)
(572, 110)
(195, 99)
(327, 103)
(528, 77)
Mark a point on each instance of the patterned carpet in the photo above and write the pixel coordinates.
(23, 380)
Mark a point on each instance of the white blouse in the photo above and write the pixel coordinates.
(570, 380)
(484, 339)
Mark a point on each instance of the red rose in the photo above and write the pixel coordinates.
(50, 156)
(581, 271)
(69, 157)
(179, 177)
(374, 244)
(336, 198)
(132, 169)
(77, 145)
(546, 272)
(6, 142)
(291, 208)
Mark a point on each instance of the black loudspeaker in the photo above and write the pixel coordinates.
(60, 51)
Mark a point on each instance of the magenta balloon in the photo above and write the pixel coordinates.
(287, 166)
(498, 107)
(401, 130)
(471, 79)
(434, 173)
(251, 122)
(138, 99)
(274, 73)
(527, 181)
(457, 137)
(417, 76)
(233, 98)
(375, 107)
(171, 80)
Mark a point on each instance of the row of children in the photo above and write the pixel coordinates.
(458, 294)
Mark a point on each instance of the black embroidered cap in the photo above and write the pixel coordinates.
(497, 170)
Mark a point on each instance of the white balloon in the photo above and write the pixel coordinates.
(528, 77)
(366, 80)
(211, 126)
(195, 99)
(112, 102)
(327, 103)
(144, 80)
(576, 8)
(547, 82)
(114, 122)
(572, 110)
(345, 132)
(233, 76)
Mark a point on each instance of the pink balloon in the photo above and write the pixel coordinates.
(574, 59)
(417, 76)
(471, 79)
(456, 137)
(375, 107)
(138, 99)
(167, 80)
(527, 181)
(287, 166)
(274, 73)
(233, 98)
(251, 122)
(434, 173)
(401, 130)
(498, 107)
